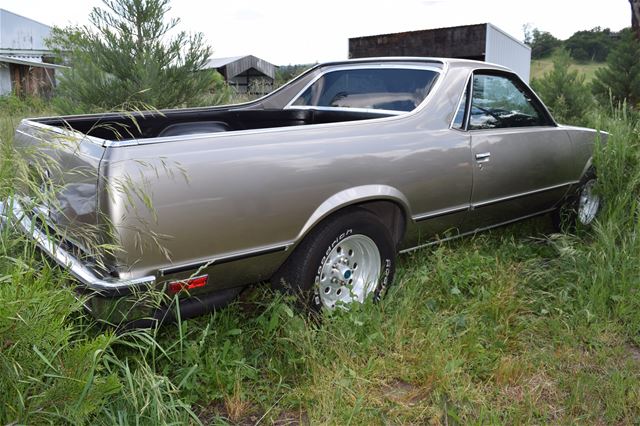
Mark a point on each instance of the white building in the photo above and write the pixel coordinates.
(24, 55)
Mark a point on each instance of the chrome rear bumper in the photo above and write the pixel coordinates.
(12, 212)
(112, 300)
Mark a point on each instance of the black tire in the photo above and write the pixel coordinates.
(301, 272)
(566, 217)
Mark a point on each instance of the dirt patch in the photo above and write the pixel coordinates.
(404, 393)
(211, 413)
(538, 388)
(292, 418)
(634, 353)
(249, 302)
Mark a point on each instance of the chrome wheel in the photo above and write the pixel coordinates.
(350, 272)
(348, 257)
(588, 204)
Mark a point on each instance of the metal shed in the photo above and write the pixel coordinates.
(24, 55)
(483, 42)
(248, 74)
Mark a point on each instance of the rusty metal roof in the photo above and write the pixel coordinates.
(33, 62)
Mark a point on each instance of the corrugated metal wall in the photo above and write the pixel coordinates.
(20, 33)
(504, 50)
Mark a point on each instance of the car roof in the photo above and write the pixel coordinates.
(437, 61)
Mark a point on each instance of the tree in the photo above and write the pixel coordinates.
(286, 73)
(542, 43)
(620, 79)
(125, 58)
(592, 45)
(564, 91)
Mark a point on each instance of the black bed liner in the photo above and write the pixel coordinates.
(142, 125)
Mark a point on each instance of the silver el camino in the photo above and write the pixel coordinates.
(316, 186)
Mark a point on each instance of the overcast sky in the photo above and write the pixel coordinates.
(297, 31)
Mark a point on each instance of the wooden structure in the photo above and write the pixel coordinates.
(248, 74)
(29, 77)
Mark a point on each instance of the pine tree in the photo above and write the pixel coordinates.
(620, 79)
(564, 91)
(125, 59)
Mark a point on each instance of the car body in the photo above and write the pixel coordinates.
(434, 148)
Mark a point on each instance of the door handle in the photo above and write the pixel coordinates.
(483, 157)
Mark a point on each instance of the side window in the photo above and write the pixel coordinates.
(390, 89)
(499, 102)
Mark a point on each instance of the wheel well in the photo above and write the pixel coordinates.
(390, 213)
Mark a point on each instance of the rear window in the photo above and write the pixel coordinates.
(385, 89)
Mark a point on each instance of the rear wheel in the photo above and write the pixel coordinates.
(345, 260)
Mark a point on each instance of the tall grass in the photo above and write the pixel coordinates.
(56, 364)
(519, 325)
(604, 270)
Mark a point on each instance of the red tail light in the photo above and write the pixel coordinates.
(188, 284)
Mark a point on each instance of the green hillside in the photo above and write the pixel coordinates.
(540, 66)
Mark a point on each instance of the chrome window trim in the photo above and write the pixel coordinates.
(510, 76)
(290, 105)
(465, 118)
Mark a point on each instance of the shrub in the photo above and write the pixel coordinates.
(12, 104)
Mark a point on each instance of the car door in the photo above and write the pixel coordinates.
(522, 159)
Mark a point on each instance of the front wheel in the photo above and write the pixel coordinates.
(347, 259)
(588, 203)
(580, 209)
